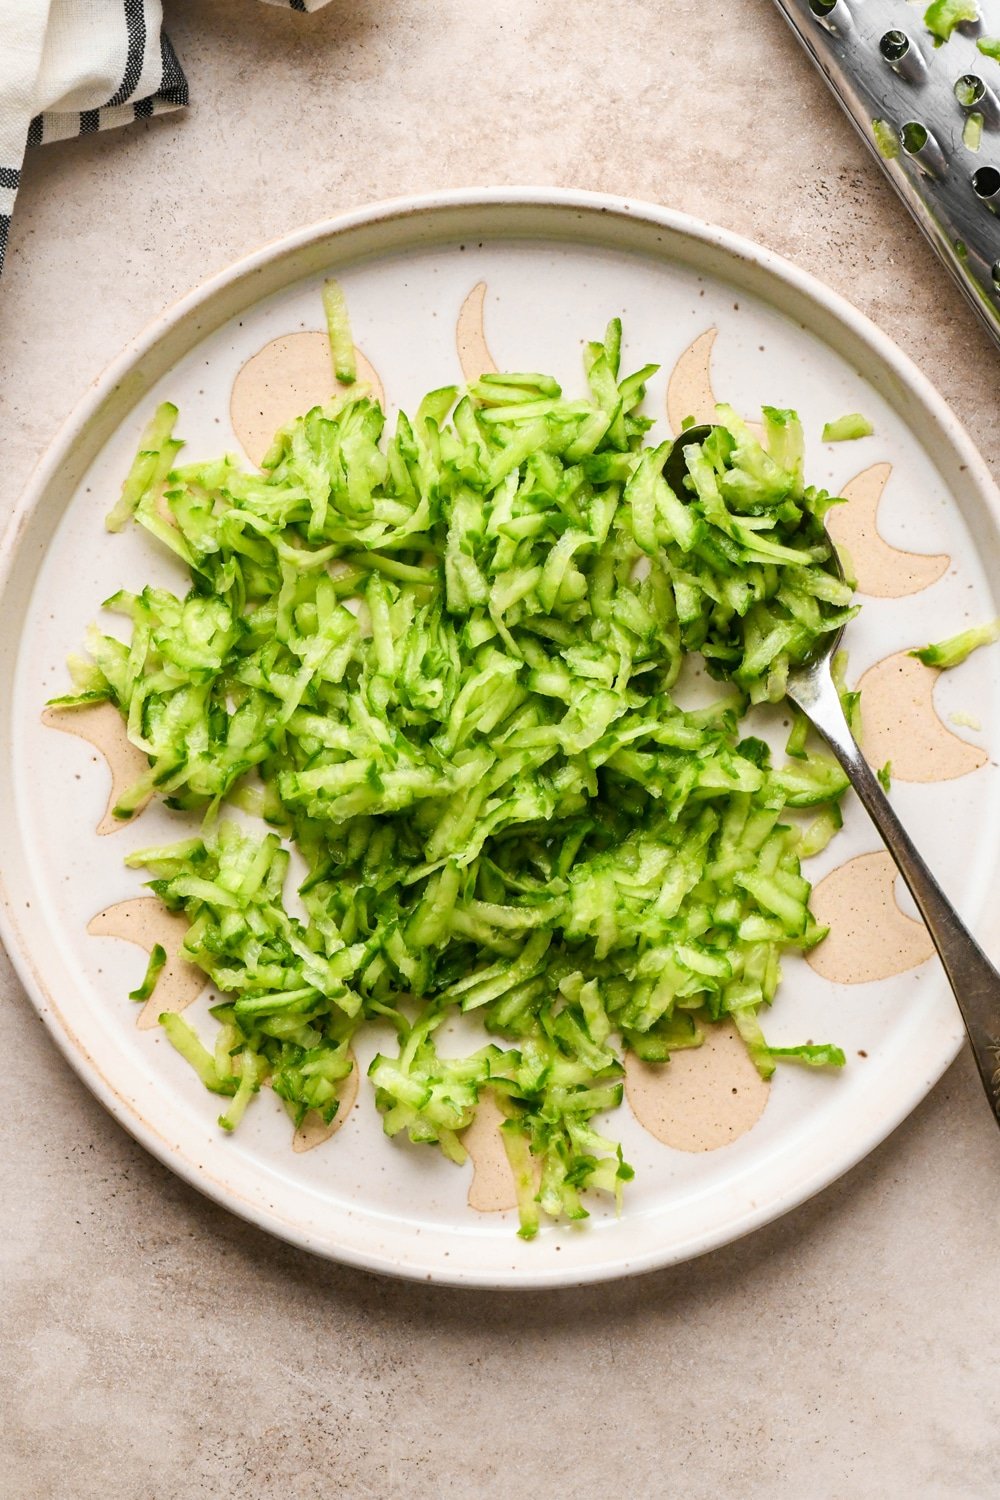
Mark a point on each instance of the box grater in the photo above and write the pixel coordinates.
(931, 114)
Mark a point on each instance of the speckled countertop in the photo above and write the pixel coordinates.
(153, 1346)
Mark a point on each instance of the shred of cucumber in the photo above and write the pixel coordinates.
(815, 1055)
(150, 466)
(972, 130)
(818, 833)
(850, 699)
(847, 428)
(338, 327)
(157, 962)
(953, 651)
(886, 139)
(943, 16)
(440, 664)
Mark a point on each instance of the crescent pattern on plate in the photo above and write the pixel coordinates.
(690, 392)
(491, 1187)
(470, 337)
(899, 723)
(870, 938)
(100, 725)
(883, 572)
(145, 921)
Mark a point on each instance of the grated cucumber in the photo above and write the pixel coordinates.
(441, 665)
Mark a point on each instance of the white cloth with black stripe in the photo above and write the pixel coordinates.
(69, 67)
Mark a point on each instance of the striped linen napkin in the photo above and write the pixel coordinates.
(70, 67)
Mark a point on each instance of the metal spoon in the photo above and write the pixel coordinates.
(973, 979)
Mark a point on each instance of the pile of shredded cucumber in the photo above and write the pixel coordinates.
(441, 665)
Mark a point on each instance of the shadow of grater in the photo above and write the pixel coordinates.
(930, 113)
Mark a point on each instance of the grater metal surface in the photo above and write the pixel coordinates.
(930, 114)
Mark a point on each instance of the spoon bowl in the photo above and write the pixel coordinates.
(675, 470)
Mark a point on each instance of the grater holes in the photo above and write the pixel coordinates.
(903, 56)
(894, 45)
(833, 15)
(919, 144)
(969, 90)
(914, 137)
(986, 184)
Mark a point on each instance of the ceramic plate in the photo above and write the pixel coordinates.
(437, 288)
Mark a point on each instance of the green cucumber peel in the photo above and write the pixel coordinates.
(953, 651)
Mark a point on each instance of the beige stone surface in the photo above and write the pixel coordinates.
(150, 1344)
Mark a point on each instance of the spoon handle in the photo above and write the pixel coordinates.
(974, 980)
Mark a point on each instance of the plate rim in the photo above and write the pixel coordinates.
(776, 269)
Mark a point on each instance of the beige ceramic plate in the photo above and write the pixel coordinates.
(438, 288)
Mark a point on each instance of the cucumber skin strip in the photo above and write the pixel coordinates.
(338, 327)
